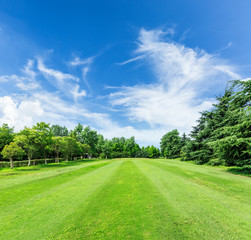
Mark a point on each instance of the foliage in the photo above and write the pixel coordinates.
(225, 131)
(26, 139)
(12, 150)
(43, 137)
(6, 135)
(170, 144)
(59, 131)
(244, 170)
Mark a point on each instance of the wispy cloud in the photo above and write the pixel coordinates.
(59, 76)
(130, 60)
(77, 61)
(183, 75)
(27, 81)
(85, 65)
(65, 82)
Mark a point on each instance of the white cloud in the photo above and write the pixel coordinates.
(246, 79)
(60, 77)
(77, 61)
(4, 78)
(85, 65)
(130, 60)
(65, 82)
(183, 75)
(25, 82)
(19, 114)
(77, 93)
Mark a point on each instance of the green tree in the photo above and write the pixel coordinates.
(26, 139)
(225, 131)
(71, 147)
(12, 150)
(170, 144)
(78, 132)
(58, 145)
(43, 137)
(90, 137)
(59, 131)
(107, 149)
(6, 135)
(100, 144)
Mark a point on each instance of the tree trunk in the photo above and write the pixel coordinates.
(45, 161)
(29, 160)
(11, 163)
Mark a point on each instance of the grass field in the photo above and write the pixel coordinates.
(124, 199)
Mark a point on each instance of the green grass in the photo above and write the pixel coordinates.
(124, 199)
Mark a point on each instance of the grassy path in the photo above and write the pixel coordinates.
(124, 199)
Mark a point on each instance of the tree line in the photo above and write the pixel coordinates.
(222, 135)
(43, 141)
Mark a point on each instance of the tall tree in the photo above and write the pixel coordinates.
(90, 137)
(6, 135)
(59, 131)
(58, 145)
(170, 144)
(71, 147)
(26, 139)
(43, 137)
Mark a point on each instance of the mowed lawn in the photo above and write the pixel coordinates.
(124, 199)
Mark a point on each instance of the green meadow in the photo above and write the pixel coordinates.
(124, 199)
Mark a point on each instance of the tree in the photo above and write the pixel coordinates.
(12, 150)
(82, 149)
(100, 143)
(27, 140)
(78, 132)
(107, 149)
(43, 137)
(225, 131)
(59, 131)
(170, 144)
(90, 137)
(6, 135)
(71, 147)
(58, 145)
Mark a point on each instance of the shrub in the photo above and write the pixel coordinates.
(216, 162)
(102, 155)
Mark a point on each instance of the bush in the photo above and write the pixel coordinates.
(102, 155)
(201, 156)
(215, 162)
(245, 170)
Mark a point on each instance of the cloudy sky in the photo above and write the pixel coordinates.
(126, 68)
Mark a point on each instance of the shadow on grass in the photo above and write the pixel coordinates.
(27, 169)
(61, 164)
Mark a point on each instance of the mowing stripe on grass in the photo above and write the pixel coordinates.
(204, 212)
(14, 194)
(22, 175)
(45, 211)
(214, 178)
(127, 207)
(126, 199)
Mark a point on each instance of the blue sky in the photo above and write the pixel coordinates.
(126, 68)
